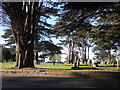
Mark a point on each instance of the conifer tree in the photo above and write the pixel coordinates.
(24, 18)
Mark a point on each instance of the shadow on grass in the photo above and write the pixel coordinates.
(92, 68)
(107, 66)
(84, 65)
(85, 68)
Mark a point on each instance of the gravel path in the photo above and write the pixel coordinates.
(83, 74)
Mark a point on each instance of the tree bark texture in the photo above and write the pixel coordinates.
(84, 60)
(69, 52)
(24, 51)
(36, 57)
(23, 32)
(109, 57)
(72, 52)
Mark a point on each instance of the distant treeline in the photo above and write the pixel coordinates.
(7, 55)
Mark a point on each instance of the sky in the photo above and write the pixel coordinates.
(1, 33)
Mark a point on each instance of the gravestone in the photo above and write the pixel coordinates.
(95, 65)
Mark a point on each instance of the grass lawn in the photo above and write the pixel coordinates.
(7, 65)
(56, 66)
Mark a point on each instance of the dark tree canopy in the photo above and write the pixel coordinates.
(25, 23)
(76, 23)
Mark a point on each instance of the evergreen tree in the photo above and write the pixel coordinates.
(6, 54)
(106, 33)
(24, 19)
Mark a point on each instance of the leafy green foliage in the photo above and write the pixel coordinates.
(6, 54)
(105, 35)
(49, 47)
(9, 39)
(74, 24)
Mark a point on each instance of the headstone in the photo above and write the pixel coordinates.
(95, 65)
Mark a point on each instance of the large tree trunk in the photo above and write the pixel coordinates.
(69, 52)
(109, 57)
(36, 57)
(25, 41)
(118, 57)
(24, 53)
(23, 19)
(36, 48)
(83, 54)
(72, 52)
(88, 52)
(29, 55)
(17, 55)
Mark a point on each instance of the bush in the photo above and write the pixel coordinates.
(113, 61)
